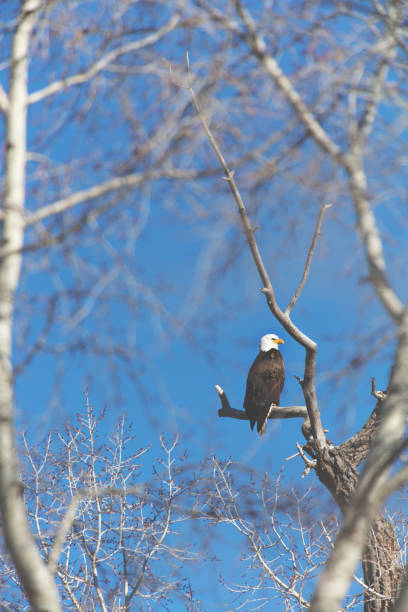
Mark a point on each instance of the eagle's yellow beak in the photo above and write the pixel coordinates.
(279, 341)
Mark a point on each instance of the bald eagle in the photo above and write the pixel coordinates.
(265, 382)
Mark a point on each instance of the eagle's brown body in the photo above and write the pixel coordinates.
(265, 382)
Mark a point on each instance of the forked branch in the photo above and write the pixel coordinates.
(283, 318)
(69, 516)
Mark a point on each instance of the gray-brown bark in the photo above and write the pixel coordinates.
(337, 470)
(381, 567)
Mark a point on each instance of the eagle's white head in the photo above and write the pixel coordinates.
(270, 341)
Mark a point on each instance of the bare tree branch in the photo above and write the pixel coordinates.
(350, 162)
(275, 412)
(172, 490)
(258, 47)
(379, 395)
(118, 182)
(69, 516)
(370, 236)
(103, 62)
(308, 259)
(249, 231)
(394, 483)
(231, 514)
(391, 21)
(366, 121)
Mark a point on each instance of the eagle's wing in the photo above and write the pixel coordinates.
(265, 382)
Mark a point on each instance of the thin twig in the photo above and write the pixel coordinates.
(308, 259)
(379, 395)
(309, 463)
(69, 516)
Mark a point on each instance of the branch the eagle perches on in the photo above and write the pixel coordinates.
(275, 412)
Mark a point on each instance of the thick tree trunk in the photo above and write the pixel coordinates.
(33, 572)
(337, 470)
(382, 570)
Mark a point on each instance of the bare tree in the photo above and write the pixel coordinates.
(363, 534)
(111, 537)
(308, 105)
